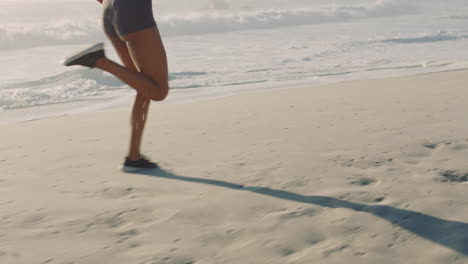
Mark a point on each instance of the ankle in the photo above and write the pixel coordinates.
(101, 62)
(134, 157)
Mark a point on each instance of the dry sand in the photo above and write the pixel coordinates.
(358, 172)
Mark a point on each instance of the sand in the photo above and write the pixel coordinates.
(357, 172)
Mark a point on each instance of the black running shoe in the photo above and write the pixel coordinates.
(142, 164)
(87, 57)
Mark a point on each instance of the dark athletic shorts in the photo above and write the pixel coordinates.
(121, 17)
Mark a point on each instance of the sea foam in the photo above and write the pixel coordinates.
(73, 31)
(69, 86)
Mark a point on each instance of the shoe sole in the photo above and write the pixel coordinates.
(97, 47)
(134, 169)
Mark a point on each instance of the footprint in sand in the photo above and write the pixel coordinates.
(459, 147)
(362, 162)
(285, 251)
(299, 212)
(436, 144)
(453, 176)
(431, 145)
(433, 149)
(422, 151)
(126, 235)
(448, 154)
(334, 250)
(364, 181)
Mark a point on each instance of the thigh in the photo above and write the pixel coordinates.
(122, 50)
(147, 52)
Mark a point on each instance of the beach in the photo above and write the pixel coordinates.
(371, 171)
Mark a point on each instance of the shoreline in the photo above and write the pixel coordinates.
(41, 112)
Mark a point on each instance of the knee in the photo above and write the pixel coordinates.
(158, 98)
(160, 94)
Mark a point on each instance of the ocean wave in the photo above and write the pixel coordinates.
(227, 21)
(438, 37)
(68, 31)
(185, 75)
(69, 86)
(63, 32)
(459, 17)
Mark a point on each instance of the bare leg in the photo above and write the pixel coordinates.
(145, 70)
(149, 72)
(137, 80)
(147, 52)
(138, 122)
(140, 107)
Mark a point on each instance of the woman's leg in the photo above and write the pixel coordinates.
(145, 70)
(139, 81)
(150, 76)
(138, 121)
(147, 52)
(143, 54)
(140, 107)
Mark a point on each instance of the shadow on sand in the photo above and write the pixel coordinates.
(447, 233)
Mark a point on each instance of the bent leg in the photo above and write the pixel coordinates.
(140, 107)
(150, 75)
(140, 82)
(145, 70)
(148, 54)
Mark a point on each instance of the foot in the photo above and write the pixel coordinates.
(87, 57)
(141, 164)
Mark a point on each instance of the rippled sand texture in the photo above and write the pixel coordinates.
(357, 172)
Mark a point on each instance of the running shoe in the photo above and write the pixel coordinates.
(141, 164)
(87, 57)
